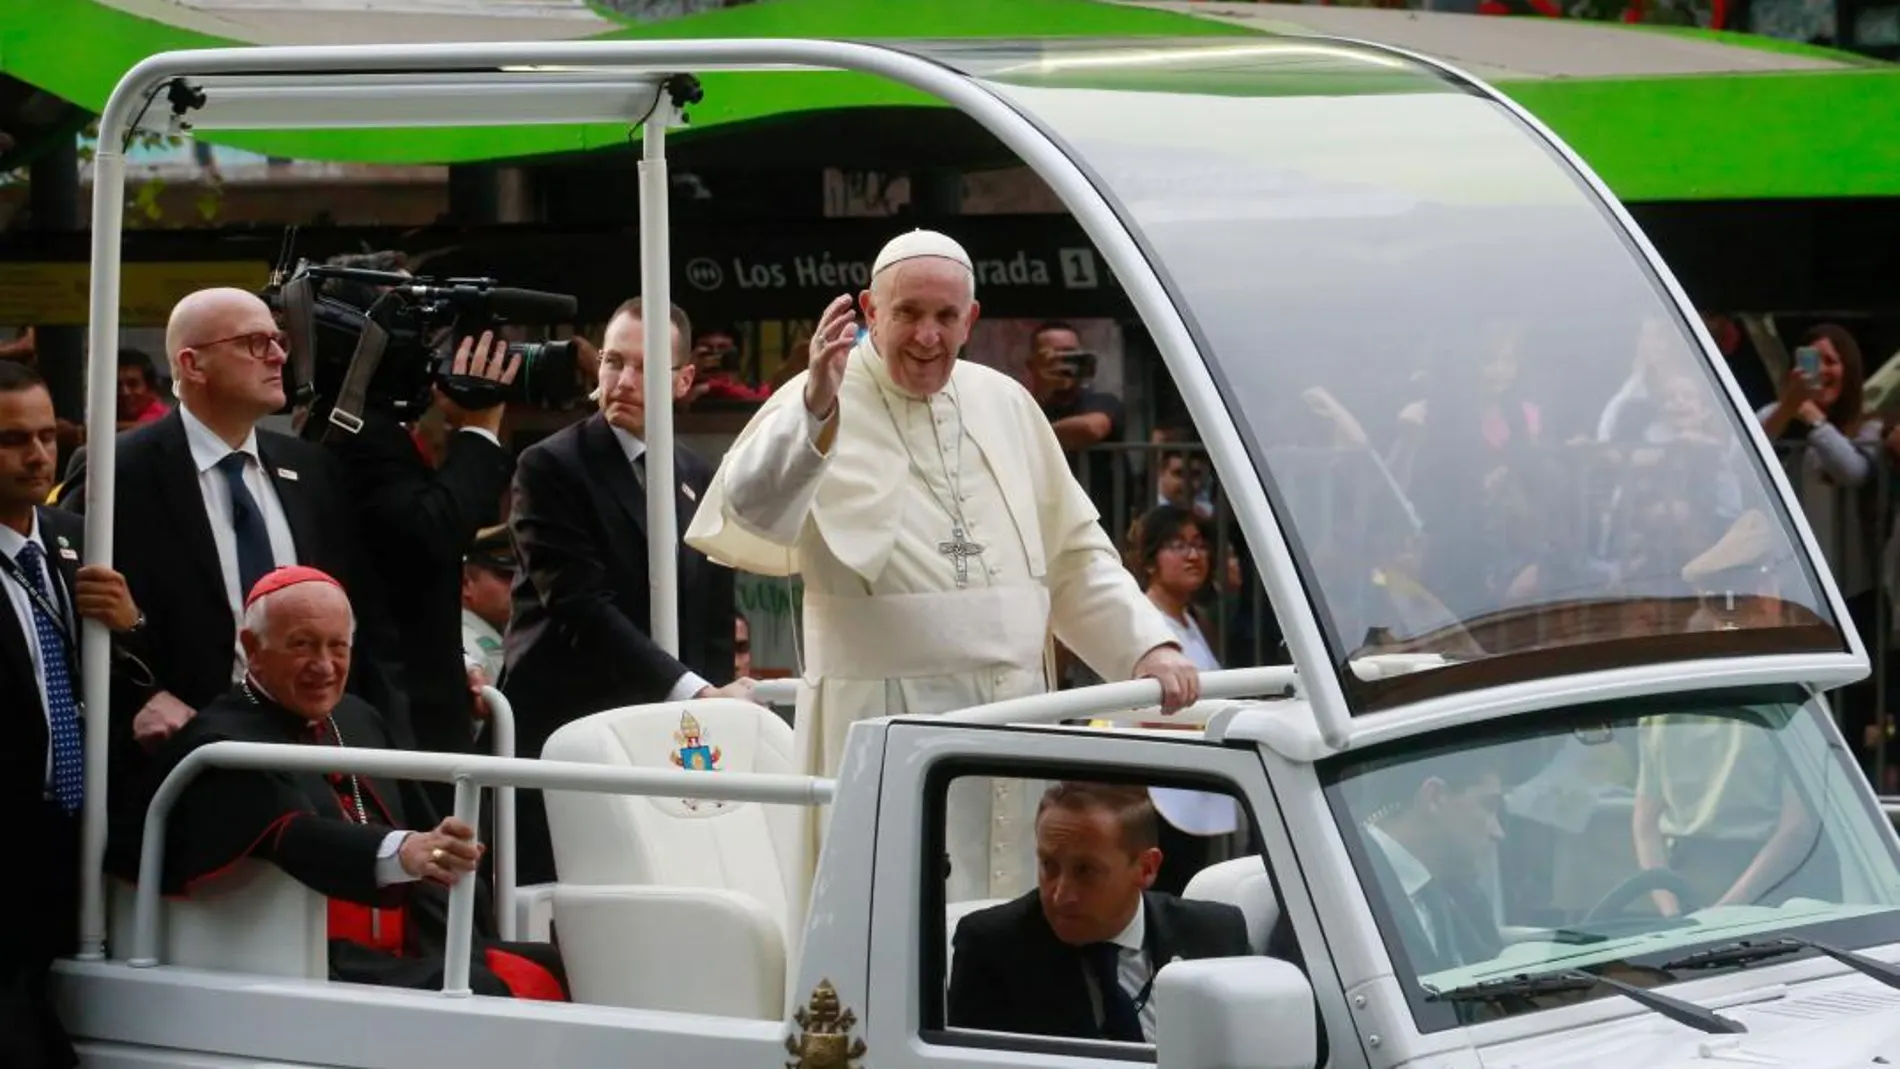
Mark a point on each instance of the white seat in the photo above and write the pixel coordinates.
(1242, 883)
(534, 912)
(628, 935)
(254, 919)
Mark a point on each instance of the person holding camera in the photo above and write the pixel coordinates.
(1061, 374)
(423, 516)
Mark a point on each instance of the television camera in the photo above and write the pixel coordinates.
(374, 340)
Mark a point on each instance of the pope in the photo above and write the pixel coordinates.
(941, 536)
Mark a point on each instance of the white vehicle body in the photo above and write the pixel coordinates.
(240, 982)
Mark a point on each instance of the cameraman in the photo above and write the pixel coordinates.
(1061, 377)
(418, 517)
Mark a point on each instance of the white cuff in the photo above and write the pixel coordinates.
(689, 685)
(389, 860)
(483, 431)
(815, 426)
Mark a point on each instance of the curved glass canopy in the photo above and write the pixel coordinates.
(1491, 440)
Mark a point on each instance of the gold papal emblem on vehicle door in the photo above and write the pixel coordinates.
(824, 1040)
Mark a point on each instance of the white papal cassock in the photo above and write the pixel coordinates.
(864, 517)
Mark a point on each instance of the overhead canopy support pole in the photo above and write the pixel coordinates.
(102, 411)
(656, 327)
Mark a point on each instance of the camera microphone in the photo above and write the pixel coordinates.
(504, 302)
(532, 306)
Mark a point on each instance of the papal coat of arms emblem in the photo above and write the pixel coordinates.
(824, 1039)
(694, 752)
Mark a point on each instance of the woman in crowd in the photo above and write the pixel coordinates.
(1825, 412)
(1172, 556)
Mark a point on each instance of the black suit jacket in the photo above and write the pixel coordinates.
(1474, 930)
(50, 880)
(1011, 974)
(423, 520)
(163, 546)
(46, 885)
(578, 641)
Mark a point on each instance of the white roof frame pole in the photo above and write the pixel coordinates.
(95, 641)
(657, 329)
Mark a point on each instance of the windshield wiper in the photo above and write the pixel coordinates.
(1675, 1009)
(1748, 953)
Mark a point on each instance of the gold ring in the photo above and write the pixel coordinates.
(436, 854)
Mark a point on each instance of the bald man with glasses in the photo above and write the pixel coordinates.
(208, 502)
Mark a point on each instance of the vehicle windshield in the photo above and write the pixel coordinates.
(1615, 839)
(1494, 446)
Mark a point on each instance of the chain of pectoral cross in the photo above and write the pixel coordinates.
(958, 547)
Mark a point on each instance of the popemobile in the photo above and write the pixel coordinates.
(1551, 777)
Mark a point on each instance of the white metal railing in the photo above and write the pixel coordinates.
(779, 692)
(1117, 697)
(469, 773)
(501, 725)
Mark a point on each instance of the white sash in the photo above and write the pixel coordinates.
(909, 636)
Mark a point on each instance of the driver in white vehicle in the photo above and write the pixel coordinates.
(1077, 956)
(1428, 841)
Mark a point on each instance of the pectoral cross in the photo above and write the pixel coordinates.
(960, 549)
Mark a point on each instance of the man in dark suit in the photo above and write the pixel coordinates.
(1427, 845)
(42, 750)
(1077, 956)
(579, 639)
(424, 517)
(208, 503)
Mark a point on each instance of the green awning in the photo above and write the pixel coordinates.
(36, 46)
(1660, 115)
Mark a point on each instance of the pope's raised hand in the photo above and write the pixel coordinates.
(830, 348)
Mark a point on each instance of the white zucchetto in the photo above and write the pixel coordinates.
(918, 244)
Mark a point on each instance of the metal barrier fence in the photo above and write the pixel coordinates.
(1127, 479)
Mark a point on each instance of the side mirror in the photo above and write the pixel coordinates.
(1234, 1013)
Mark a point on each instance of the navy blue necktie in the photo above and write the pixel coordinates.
(1120, 1020)
(247, 520)
(62, 704)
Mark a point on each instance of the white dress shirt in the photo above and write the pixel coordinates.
(1131, 970)
(692, 682)
(12, 543)
(1412, 874)
(206, 450)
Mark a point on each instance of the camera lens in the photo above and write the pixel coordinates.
(548, 374)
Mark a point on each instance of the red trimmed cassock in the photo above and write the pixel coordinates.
(332, 833)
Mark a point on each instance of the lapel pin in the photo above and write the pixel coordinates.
(286, 473)
(688, 491)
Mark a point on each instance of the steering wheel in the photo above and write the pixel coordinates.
(1641, 883)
